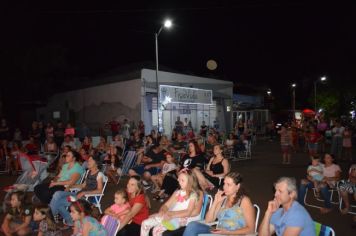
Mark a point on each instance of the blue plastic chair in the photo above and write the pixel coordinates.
(323, 230)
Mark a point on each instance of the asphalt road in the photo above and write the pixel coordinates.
(259, 174)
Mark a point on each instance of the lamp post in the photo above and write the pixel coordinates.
(322, 79)
(167, 24)
(293, 97)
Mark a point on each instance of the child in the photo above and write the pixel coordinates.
(176, 211)
(167, 167)
(17, 220)
(120, 208)
(85, 225)
(315, 173)
(47, 227)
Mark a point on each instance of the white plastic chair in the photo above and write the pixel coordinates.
(247, 154)
(333, 190)
(96, 197)
(82, 179)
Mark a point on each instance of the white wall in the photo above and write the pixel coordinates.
(96, 105)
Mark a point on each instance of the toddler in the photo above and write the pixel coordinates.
(120, 208)
(315, 173)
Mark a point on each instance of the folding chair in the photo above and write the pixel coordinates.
(96, 197)
(333, 190)
(207, 202)
(129, 161)
(323, 230)
(111, 224)
(82, 179)
(244, 155)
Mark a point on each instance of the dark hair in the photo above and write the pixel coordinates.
(196, 147)
(82, 206)
(123, 194)
(76, 155)
(44, 209)
(237, 178)
(97, 160)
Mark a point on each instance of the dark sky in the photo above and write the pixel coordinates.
(56, 44)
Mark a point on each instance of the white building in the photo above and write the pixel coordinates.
(133, 96)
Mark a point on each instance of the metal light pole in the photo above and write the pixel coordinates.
(293, 98)
(315, 82)
(167, 24)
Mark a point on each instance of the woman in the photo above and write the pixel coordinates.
(233, 209)
(139, 208)
(93, 184)
(332, 173)
(69, 175)
(217, 168)
(87, 144)
(50, 146)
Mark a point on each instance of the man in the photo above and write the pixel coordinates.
(291, 219)
(179, 125)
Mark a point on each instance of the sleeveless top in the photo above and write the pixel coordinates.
(97, 228)
(91, 182)
(217, 168)
(231, 218)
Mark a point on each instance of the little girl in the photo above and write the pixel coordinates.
(175, 212)
(167, 167)
(120, 208)
(47, 227)
(17, 220)
(85, 225)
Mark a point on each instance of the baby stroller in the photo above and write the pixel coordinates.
(34, 171)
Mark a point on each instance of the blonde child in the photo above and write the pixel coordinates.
(85, 225)
(47, 226)
(315, 173)
(167, 167)
(120, 208)
(175, 212)
(17, 220)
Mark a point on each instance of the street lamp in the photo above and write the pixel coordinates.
(322, 79)
(293, 97)
(167, 24)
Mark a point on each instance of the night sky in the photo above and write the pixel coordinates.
(49, 46)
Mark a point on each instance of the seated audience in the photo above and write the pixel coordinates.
(120, 208)
(331, 174)
(47, 226)
(69, 175)
(284, 215)
(346, 188)
(175, 212)
(93, 184)
(84, 223)
(139, 208)
(18, 218)
(233, 209)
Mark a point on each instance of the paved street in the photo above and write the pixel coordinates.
(259, 175)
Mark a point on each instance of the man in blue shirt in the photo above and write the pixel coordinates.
(291, 219)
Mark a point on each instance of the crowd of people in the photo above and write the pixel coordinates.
(178, 170)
